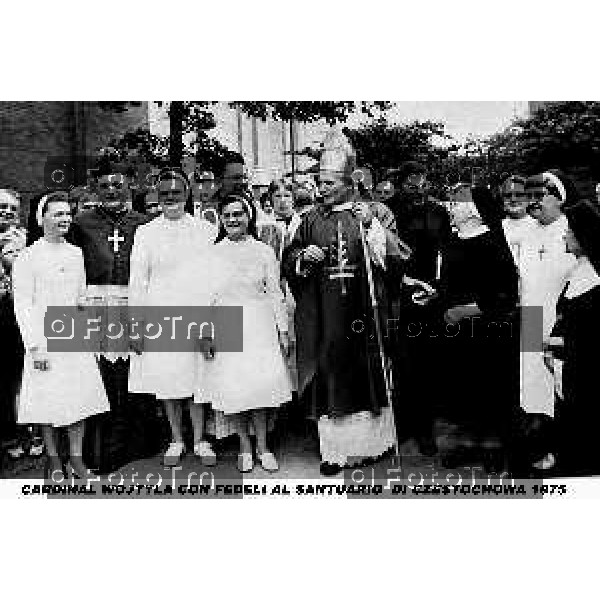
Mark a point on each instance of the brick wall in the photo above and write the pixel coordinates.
(30, 132)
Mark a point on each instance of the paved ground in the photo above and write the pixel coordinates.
(297, 451)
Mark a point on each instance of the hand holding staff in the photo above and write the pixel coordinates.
(387, 376)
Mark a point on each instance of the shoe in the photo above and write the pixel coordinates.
(204, 451)
(36, 447)
(173, 454)
(545, 463)
(245, 462)
(268, 461)
(16, 451)
(329, 470)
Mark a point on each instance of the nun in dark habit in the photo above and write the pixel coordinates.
(478, 330)
(574, 340)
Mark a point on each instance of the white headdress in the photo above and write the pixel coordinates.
(553, 180)
(338, 155)
(39, 214)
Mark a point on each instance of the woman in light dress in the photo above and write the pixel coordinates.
(59, 389)
(278, 234)
(169, 268)
(243, 386)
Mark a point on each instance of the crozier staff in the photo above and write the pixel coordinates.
(339, 370)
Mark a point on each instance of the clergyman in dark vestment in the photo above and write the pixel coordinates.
(105, 234)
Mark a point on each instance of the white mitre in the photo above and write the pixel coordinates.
(338, 155)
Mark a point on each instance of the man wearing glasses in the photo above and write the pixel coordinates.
(234, 179)
(422, 223)
(518, 226)
(425, 226)
(105, 235)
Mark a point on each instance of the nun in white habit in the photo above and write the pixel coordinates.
(59, 389)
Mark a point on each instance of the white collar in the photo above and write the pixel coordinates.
(472, 231)
(560, 224)
(342, 206)
(526, 221)
(186, 219)
(583, 278)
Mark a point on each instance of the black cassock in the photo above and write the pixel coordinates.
(479, 357)
(578, 413)
(133, 428)
(337, 353)
(425, 227)
(12, 367)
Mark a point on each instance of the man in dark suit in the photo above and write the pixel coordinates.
(105, 235)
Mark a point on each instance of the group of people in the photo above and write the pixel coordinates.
(378, 312)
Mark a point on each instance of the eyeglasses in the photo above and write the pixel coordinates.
(116, 184)
(535, 195)
(235, 214)
(511, 195)
(534, 206)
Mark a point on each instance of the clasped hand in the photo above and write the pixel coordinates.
(362, 212)
(313, 254)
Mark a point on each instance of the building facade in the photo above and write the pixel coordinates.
(34, 135)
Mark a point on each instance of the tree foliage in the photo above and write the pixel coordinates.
(308, 112)
(197, 117)
(150, 148)
(382, 147)
(564, 135)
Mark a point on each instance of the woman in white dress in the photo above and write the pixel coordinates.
(168, 263)
(59, 389)
(243, 386)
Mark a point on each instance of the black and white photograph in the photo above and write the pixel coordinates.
(366, 267)
(416, 284)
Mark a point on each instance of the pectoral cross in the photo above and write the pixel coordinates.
(115, 239)
(542, 251)
(342, 270)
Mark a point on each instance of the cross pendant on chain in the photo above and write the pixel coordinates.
(115, 239)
